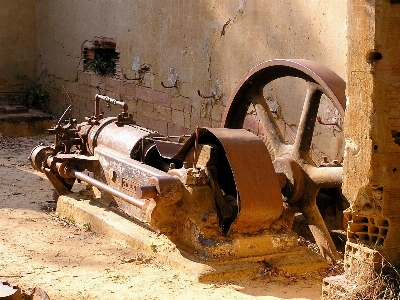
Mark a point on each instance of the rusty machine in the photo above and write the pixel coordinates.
(221, 193)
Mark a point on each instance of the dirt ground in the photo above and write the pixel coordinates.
(39, 249)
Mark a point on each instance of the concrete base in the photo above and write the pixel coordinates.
(102, 220)
(24, 123)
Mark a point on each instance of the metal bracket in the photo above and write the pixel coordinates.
(213, 95)
(328, 124)
(172, 86)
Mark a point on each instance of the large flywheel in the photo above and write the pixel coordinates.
(295, 155)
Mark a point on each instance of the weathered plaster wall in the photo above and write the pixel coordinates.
(372, 154)
(208, 45)
(17, 43)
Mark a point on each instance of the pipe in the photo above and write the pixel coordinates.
(112, 101)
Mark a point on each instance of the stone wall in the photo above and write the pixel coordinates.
(372, 154)
(202, 45)
(17, 44)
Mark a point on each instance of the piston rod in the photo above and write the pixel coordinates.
(101, 186)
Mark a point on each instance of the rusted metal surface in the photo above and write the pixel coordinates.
(257, 185)
(8, 292)
(303, 178)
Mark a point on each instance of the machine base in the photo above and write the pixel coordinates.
(83, 209)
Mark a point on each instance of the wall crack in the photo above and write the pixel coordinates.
(220, 26)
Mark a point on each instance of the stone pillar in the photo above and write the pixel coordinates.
(371, 179)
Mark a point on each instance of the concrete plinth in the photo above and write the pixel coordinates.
(102, 220)
(24, 122)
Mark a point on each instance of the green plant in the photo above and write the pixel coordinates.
(87, 226)
(34, 96)
(153, 247)
(71, 219)
(104, 62)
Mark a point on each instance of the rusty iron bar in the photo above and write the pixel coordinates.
(104, 187)
(196, 145)
(302, 143)
(146, 191)
(64, 113)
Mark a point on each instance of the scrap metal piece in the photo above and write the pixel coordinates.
(8, 292)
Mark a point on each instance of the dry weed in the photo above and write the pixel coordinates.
(383, 286)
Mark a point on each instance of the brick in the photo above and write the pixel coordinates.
(196, 121)
(115, 85)
(196, 106)
(162, 113)
(94, 92)
(178, 118)
(144, 94)
(217, 112)
(181, 103)
(142, 120)
(73, 87)
(54, 82)
(159, 126)
(84, 78)
(131, 102)
(160, 98)
(145, 108)
(96, 80)
(206, 109)
(130, 90)
(177, 130)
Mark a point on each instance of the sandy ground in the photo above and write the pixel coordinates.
(39, 249)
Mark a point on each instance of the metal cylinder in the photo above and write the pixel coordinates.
(125, 140)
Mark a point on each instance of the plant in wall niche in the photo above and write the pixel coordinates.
(103, 62)
(34, 96)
